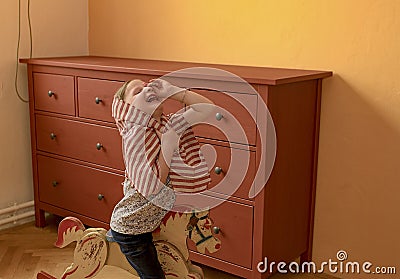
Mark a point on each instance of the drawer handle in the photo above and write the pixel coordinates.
(54, 183)
(99, 146)
(53, 136)
(218, 170)
(219, 116)
(216, 230)
(98, 100)
(100, 197)
(51, 93)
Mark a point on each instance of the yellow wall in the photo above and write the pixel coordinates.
(59, 28)
(358, 177)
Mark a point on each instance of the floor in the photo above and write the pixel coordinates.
(25, 250)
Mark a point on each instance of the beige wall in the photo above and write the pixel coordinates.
(59, 28)
(358, 193)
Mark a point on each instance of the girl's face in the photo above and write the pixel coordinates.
(143, 97)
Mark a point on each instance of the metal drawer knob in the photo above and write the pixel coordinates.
(216, 230)
(219, 116)
(100, 197)
(98, 100)
(53, 136)
(54, 183)
(50, 93)
(99, 146)
(218, 170)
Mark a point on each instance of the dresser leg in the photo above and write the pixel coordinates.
(306, 256)
(40, 220)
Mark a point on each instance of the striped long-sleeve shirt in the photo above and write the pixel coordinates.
(137, 212)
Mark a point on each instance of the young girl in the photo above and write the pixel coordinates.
(150, 143)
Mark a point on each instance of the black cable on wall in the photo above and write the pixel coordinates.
(18, 46)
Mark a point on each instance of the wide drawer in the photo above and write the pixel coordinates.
(77, 188)
(54, 93)
(232, 170)
(95, 98)
(232, 225)
(88, 142)
(232, 119)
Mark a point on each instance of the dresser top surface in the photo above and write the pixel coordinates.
(259, 75)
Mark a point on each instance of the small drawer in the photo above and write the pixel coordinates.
(95, 98)
(231, 120)
(81, 189)
(92, 143)
(54, 93)
(232, 225)
(229, 174)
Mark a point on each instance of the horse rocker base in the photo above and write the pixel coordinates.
(97, 256)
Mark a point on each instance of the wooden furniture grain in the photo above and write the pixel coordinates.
(75, 144)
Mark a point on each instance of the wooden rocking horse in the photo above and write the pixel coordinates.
(97, 256)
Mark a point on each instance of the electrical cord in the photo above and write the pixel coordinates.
(18, 46)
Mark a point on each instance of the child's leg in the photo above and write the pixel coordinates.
(141, 254)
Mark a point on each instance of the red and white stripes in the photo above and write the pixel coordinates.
(141, 149)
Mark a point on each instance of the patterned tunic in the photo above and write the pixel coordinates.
(136, 214)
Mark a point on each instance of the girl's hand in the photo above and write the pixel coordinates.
(169, 142)
(163, 88)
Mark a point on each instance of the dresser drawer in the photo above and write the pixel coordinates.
(228, 169)
(95, 97)
(235, 224)
(81, 189)
(54, 93)
(88, 142)
(231, 115)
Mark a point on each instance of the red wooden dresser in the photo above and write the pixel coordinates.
(78, 168)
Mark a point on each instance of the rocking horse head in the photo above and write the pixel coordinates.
(201, 231)
(194, 225)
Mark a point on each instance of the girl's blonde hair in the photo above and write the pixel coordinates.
(120, 94)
